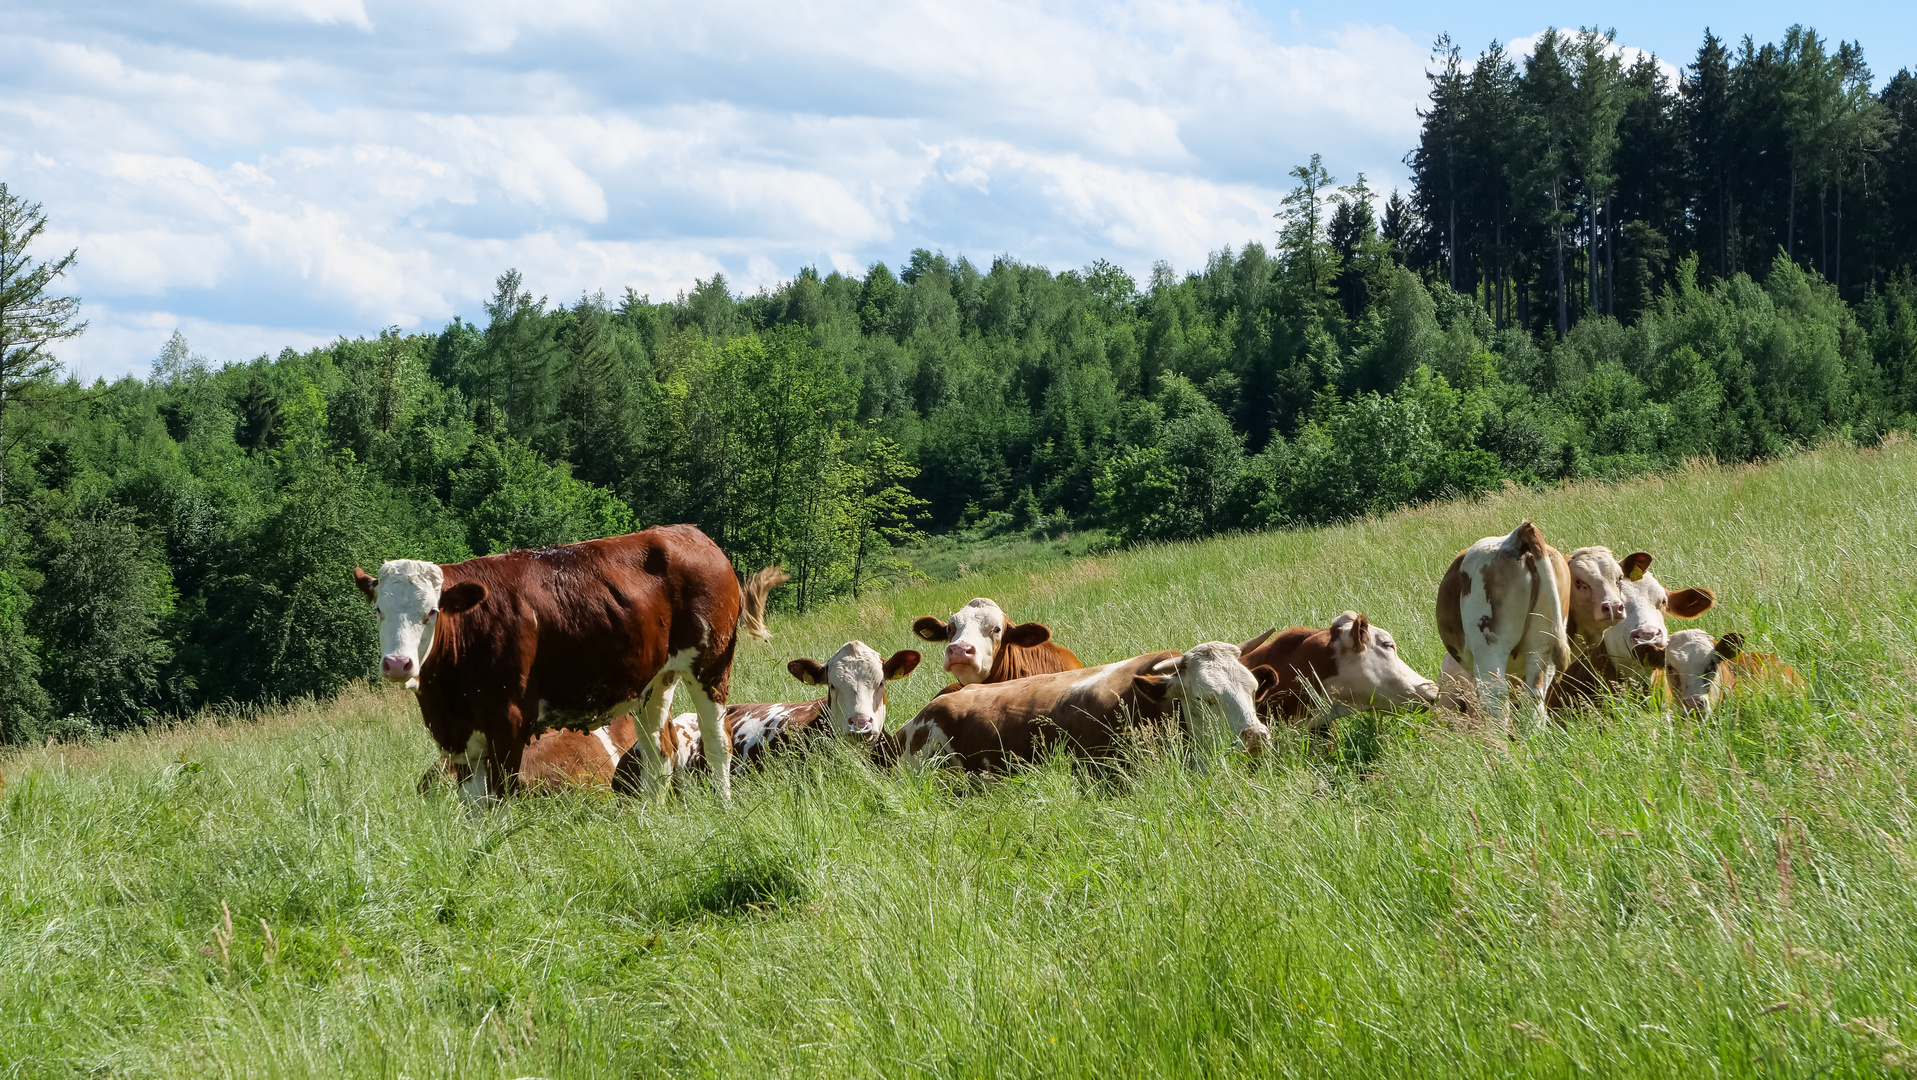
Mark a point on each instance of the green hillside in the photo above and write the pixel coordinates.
(1631, 895)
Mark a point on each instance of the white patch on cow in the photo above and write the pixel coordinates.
(407, 603)
(978, 628)
(604, 735)
(477, 788)
(1375, 676)
(685, 729)
(932, 750)
(755, 731)
(1646, 604)
(1208, 680)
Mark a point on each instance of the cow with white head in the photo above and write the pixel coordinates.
(1647, 603)
(408, 598)
(982, 645)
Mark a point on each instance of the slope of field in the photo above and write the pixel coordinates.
(1632, 895)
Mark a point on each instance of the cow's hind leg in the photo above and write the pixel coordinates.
(715, 740)
(648, 718)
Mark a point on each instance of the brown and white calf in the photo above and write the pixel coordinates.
(1699, 672)
(1351, 665)
(501, 648)
(983, 646)
(1502, 609)
(989, 727)
(853, 708)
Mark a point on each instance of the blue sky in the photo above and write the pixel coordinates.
(264, 173)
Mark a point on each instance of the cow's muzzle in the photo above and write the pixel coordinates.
(960, 654)
(396, 668)
(1697, 704)
(863, 724)
(1649, 635)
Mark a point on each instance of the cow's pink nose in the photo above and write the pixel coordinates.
(1255, 738)
(1648, 635)
(1611, 610)
(864, 724)
(1697, 704)
(960, 652)
(396, 667)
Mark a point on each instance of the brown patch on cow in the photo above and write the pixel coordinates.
(932, 628)
(1451, 589)
(369, 585)
(1300, 658)
(1530, 540)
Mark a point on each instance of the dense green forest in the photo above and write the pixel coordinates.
(1595, 274)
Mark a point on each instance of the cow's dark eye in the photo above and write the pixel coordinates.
(432, 613)
(1389, 644)
(1581, 585)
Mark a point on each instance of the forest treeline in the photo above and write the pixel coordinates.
(1595, 273)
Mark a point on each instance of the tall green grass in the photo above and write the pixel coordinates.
(1631, 894)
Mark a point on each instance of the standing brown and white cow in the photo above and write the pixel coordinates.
(1351, 665)
(853, 708)
(990, 726)
(983, 646)
(502, 647)
(1502, 608)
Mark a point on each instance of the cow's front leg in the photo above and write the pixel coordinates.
(649, 717)
(479, 774)
(715, 740)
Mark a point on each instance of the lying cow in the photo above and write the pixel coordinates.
(1597, 604)
(991, 726)
(1502, 609)
(1699, 672)
(503, 647)
(983, 646)
(853, 708)
(1351, 665)
(560, 758)
(1646, 605)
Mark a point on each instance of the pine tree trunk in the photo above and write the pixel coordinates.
(1564, 323)
(1790, 219)
(1838, 279)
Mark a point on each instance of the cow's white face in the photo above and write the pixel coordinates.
(974, 636)
(1693, 666)
(1597, 594)
(406, 601)
(1646, 604)
(854, 680)
(1371, 675)
(408, 598)
(1209, 677)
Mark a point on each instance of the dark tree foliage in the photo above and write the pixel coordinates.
(1595, 274)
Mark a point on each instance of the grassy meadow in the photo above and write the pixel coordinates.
(1630, 895)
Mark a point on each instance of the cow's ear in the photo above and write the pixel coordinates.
(1267, 677)
(367, 583)
(1027, 634)
(931, 628)
(464, 596)
(1357, 625)
(1650, 656)
(1152, 686)
(1690, 603)
(808, 671)
(1730, 646)
(1635, 564)
(901, 664)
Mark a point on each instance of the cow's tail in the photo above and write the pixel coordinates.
(1547, 604)
(752, 606)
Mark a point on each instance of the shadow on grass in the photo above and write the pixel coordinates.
(733, 877)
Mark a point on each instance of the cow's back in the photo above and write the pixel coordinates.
(988, 726)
